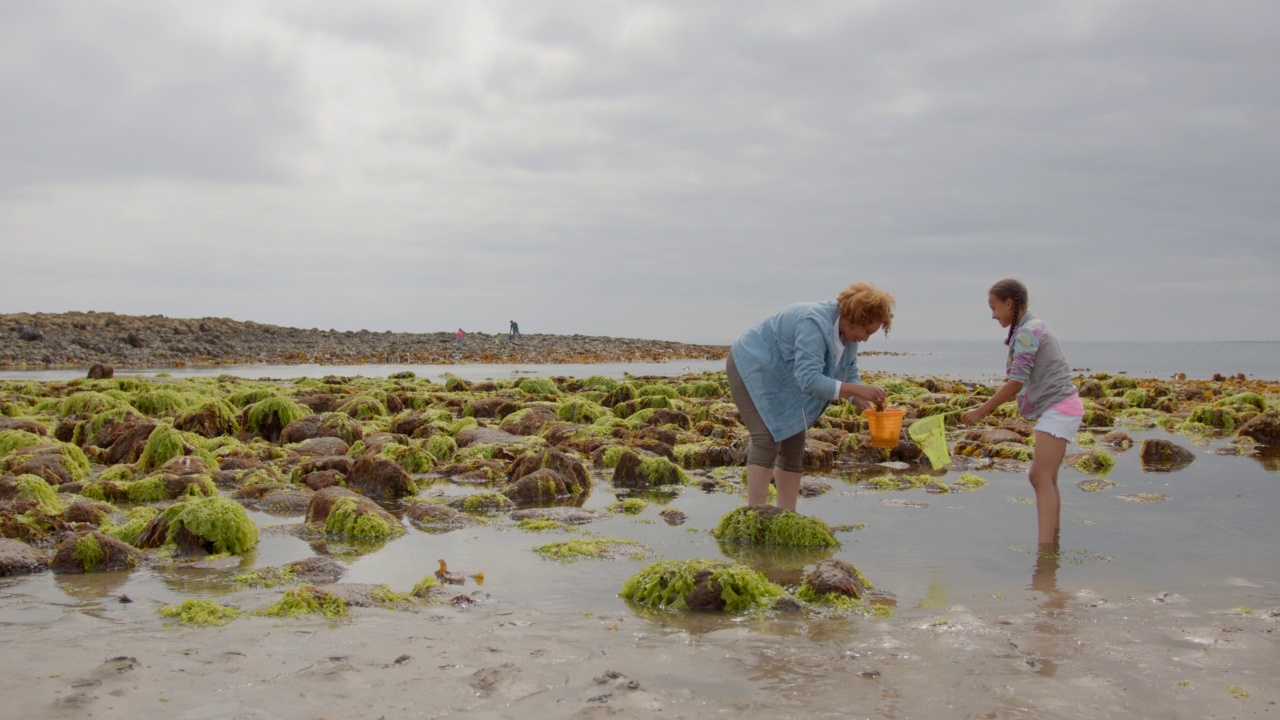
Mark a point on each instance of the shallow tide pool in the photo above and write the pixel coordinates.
(1215, 539)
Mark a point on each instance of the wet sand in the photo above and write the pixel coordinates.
(1057, 655)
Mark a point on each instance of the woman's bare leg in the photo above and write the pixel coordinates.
(758, 478)
(1044, 480)
(788, 488)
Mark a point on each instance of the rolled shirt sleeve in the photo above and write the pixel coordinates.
(1022, 355)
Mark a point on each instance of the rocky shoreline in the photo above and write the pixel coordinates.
(83, 339)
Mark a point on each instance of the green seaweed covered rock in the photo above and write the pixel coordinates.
(163, 444)
(697, 584)
(543, 485)
(1222, 418)
(210, 419)
(270, 416)
(343, 513)
(641, 470)
(330, 424)
(571, 471)
(1093, 461)
(770, 525)
(202, 526)
(56, 462)
(1264, 428)
(833, 579)
(483, 503)
(38, 490)
(379, 477)
(94, 552)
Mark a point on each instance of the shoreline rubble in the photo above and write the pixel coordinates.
(83, 339)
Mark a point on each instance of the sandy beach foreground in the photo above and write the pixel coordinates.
(1062, 656)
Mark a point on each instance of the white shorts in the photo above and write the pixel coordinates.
(1059, 424)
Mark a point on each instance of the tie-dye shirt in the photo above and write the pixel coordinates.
(1036, 361)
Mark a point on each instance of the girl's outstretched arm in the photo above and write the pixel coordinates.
(1007, 392)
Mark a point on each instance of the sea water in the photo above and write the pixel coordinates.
(970, 361)
(967, 547)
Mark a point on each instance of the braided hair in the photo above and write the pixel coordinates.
(1011, 289)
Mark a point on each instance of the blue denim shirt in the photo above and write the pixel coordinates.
(788, 363)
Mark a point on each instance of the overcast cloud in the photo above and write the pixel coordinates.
(668, 170)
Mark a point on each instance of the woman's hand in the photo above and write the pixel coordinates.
(972, 415)
(862, 404)
(869, 393)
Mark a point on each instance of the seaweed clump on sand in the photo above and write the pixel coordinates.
(307, 600)
(698, 584)
(771, 525)
(200, 612)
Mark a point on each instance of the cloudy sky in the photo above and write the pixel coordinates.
(670, 170)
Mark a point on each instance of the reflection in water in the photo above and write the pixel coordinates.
(343, 548)
(936, 595)
(1168, 465)
(781, 565)
(653, 496)
(93, 586)
(1044, 578)
(193, 580)
(1269, 458)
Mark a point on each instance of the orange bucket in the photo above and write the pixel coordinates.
(886, 426)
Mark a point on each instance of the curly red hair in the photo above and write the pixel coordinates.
(866, 304)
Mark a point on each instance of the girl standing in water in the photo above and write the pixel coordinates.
(1040, 378)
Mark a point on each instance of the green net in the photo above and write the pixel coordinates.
(930, 434)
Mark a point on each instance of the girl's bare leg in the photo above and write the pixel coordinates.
(1044, 480)
(758, 478)
(788, 488)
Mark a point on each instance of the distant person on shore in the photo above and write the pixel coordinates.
(514, 331)
(1040, 378)
(786, 369)
(459, 336)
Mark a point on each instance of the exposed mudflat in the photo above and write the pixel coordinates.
(1059, 656)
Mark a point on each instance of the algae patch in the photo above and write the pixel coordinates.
(699, 584)
(200, 612)
(307, 600)
(769, 525)
(595, 548)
